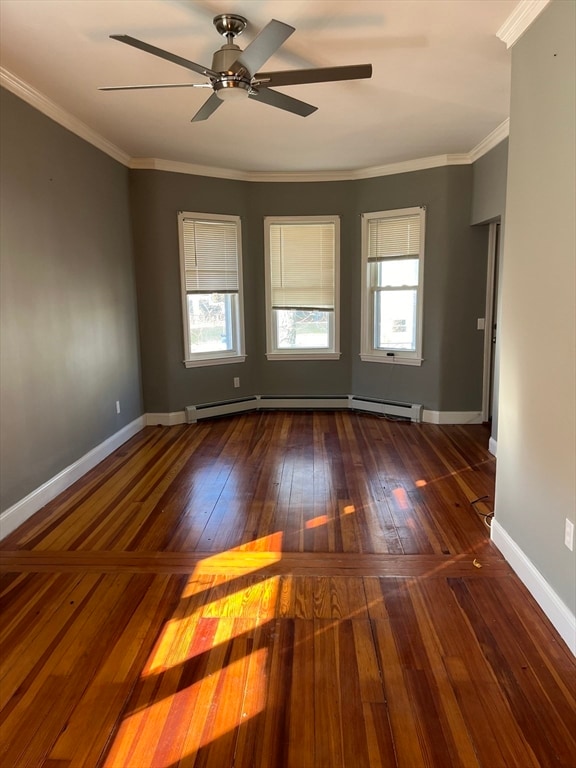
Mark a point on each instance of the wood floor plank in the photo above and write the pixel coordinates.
(328, 726)
(379, 739)
(452, 721)
(278, 590)
(248, 561)
(555, 742)
(354, 737)
(486, 718)
(275, 731)
(301, 701)
(403, 719)
(26, 656)
(87, 732)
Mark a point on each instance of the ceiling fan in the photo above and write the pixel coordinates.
(234, 71)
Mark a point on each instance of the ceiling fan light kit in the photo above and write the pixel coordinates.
(234, 72)
(232, 88)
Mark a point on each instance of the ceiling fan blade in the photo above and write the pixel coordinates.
(280, 100)
(209, 106)
(264, 45)
(162, 85)
(165, 55)
(319, 75)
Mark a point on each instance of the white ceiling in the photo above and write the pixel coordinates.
(440, 84)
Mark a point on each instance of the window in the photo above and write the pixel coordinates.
(211, 275)
(302, 288)
(392, 263)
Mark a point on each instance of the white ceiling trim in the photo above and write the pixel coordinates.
(23, 90)
(174, 166)
(49, 108)
(362, 173)
(519, 20)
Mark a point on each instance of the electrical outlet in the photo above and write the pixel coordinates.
(569, 534)
(117, 406)
(236, 381)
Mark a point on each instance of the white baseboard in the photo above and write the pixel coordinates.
(492, 446)
(452, 417)
(165, 419)
(17, 514)
(555, 609)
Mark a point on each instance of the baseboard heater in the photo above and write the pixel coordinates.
(306, 403)
(208, 410)
(409, 411)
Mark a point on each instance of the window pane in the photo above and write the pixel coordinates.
(210, 321)
(397, 272)
(395, 319)
(302, 329)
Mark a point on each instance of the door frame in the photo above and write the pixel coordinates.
(490, 317)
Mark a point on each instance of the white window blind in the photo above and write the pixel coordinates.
(393, 237)
(302, 265)
(210, 256)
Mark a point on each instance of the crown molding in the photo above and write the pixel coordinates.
(175, 166)
(407, 166)
(43, 104)
(519, 20)
(49, 108)
(421, 164)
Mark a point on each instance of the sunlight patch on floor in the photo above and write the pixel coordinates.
(190, 719)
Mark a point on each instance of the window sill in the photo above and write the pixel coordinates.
(214, 361)
(391, 360)
(303, 355)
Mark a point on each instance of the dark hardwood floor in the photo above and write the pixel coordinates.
(312, 590)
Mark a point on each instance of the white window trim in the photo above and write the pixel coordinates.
(368, 353)
(272, 353)
(299, 355)
(238, 355)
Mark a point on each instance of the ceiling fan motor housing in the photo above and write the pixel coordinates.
(230, 85)
(224, 58)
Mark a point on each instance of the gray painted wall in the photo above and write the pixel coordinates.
(489, 174)
(69, 338)
(536, 479)
(455, 283)
(303, 377)
(450, 378)
(156, 198)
